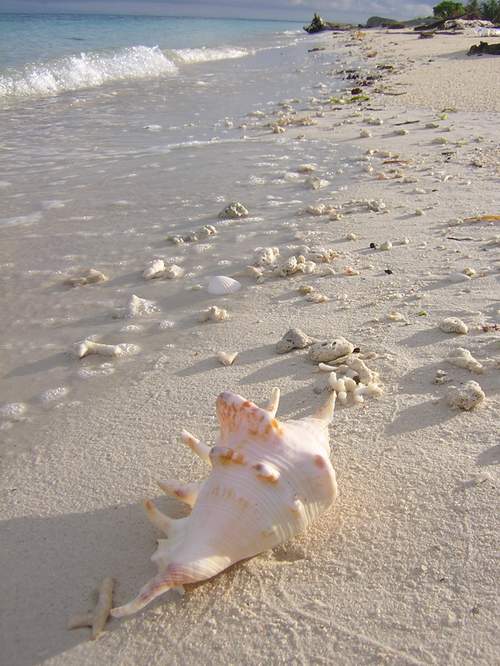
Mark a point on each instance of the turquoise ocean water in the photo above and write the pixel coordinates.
(44, 55)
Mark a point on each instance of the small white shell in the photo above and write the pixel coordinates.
(86, 347)
(316, 183)
(213, 313)
(306, 168)
(140, 307)
(89, 276)
(251, 271)
(172, 272)
(154, 269)
(462, 358)
(226, 358)
(220, 285)
(317, 297)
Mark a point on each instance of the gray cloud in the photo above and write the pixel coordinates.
(342, 10)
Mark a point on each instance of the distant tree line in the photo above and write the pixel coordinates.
(488, 10)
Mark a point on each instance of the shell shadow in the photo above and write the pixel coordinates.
(424, 338)
(420, 380)
(283, 367)
(248, 357)
(490, 456)
(417, 417)
(59, 360)
(54, 577)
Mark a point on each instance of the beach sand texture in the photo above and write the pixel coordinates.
(402, 569)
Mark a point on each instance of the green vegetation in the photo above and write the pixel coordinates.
(379, 22)
(473, 8)
(488, 10)
(449, 10)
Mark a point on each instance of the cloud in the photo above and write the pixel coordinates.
(343, 10)
(360, 10)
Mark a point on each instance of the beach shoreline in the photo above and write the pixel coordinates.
(402, 569)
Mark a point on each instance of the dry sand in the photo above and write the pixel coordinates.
(402, 569)
(439, 73)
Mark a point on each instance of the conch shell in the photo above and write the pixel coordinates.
(269, 481)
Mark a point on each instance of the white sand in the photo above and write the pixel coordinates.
(439, 73)
(402, 569)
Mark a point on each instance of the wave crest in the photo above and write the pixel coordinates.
(87, 70)
(204, 54)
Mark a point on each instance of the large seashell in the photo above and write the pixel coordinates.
(269, 481)
(221, 285)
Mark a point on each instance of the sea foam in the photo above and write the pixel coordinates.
(93, 69)
(86, 70)
(191, 56)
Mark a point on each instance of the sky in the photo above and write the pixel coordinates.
(356, 11)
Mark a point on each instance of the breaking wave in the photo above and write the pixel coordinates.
(94, 69)
(189, 56)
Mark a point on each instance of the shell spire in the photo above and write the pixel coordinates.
(269, 481)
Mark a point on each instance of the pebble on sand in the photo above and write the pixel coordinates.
(325, 351)
(453, 325)
(462, 358)
(89, 276)
(213, 313)
(294, 338)
(466, 397)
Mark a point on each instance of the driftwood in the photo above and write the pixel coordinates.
(318, 25)
(435, 25)
(484, 47)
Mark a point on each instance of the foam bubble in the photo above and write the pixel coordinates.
(190, 56)
(89, 372)
(13, 411)
(54, 394)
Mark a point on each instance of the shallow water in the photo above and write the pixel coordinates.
(99, 178)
